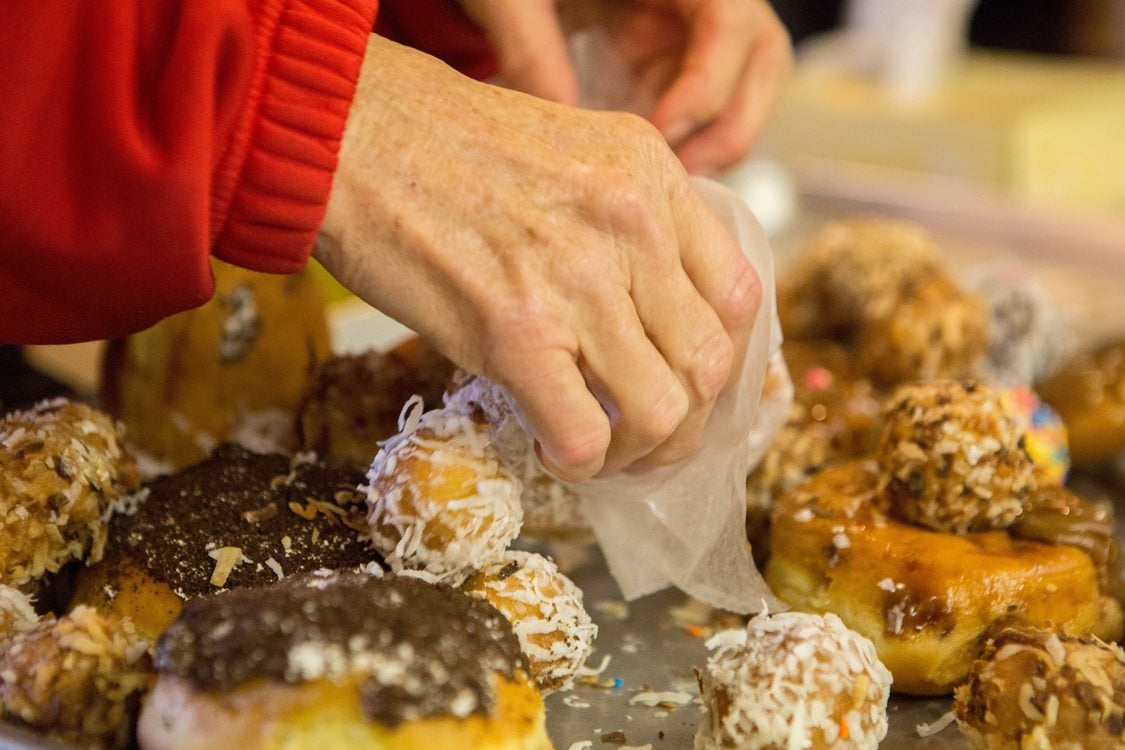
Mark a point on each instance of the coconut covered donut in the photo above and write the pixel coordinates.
(390, 663)
(439, 496)
(62, 464)
(78, 679)
(954, 458)
(352, 402)
(793, 680)
(236, 519)
(1044, 689)
(551, 510)
(546, 612)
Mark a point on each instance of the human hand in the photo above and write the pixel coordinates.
(560, 252)
(713, 69)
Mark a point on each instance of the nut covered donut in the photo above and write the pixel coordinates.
(1088, 391)
(62, 464)
(1041, 688)
(390, 663)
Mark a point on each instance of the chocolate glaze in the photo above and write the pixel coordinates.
(225, 501)
(442, 646)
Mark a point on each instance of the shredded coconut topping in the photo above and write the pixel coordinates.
(793, 680)
(439, 497)
(546, 612)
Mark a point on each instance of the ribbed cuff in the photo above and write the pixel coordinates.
(271, 190)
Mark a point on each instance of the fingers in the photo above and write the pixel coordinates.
(571, 429)
(737, 58)
(530, 46)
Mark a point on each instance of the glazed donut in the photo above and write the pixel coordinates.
(62, 464)
(926, 599)
(1088, 391)
(78, 678)
(223, 369)
(352, 402)
(390, 663)
(546, 612)
(953, 458)
(1043, 688)
(440, 499)
(551, 510)
(793, 680)
(236, 519)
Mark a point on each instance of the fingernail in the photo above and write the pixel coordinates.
(677, 130)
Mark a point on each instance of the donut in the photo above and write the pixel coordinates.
(792, 680)
(546, 612)
(927, 599)
(1043, 688)
(1045, 436)
(392, 663)
(551, 509)
(62, 465)
(352, 402)
(853, 270)
(198, 378)
(79, 679)
(1088, 392)
(879, 287)
(953, 457)
(440, 499)
(835, 415)
(937, 331)
(238, 518)
(1026, 335)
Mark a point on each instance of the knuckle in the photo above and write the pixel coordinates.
(711, 365)
(579, 454)
(743, 298)
(665, 415)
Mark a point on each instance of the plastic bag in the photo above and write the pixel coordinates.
(685, 524)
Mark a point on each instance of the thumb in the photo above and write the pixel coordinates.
(530, 46)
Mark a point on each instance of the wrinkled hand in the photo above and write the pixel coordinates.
(713, 68)
(560, 252)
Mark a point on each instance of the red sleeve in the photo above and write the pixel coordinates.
(439, 28)
(138, 137)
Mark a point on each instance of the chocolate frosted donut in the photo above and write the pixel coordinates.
(347, 660)
(62, 464)
(236, 519)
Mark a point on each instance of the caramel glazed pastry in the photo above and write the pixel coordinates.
(351, 660)
(967, 540)
(1088, 392)
(236, 519)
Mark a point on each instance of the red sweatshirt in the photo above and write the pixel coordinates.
(137, 138)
